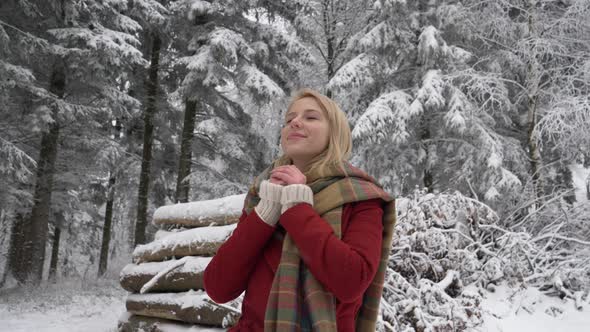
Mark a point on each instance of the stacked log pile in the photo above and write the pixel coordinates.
(165, 280)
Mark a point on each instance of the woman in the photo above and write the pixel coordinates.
(313, 235)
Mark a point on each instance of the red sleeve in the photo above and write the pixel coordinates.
(226, 276)
(345, 267)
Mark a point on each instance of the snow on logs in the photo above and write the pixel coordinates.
(215, 212)
(132, 323)
(203, 241)
(186, 277)
(166, 276)
(189, 307)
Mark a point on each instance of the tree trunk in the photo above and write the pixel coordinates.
(184, 162)
(330, 63)
(148, 138)
(106, 230)
(36, 229)
(588, 187)
(532, 91)
(329, 27)
(65, 263)
(36, 232)
(16, 249)
(54, 253)
(424, 124)
(427, 177)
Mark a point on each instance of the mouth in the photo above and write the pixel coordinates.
(290, 137)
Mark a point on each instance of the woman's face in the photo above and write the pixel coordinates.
(306, 130)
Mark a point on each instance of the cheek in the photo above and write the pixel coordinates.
(326, 135)
(283, 138)
(326, 142)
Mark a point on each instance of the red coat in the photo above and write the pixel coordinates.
(249, 258)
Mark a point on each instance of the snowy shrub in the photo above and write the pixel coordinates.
(434, 255)
(539, 240)
(448, 248)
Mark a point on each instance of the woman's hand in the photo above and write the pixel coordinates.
(286, 175)
(276, 180)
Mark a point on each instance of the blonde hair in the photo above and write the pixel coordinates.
(340, 140)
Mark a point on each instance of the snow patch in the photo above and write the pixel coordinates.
(528, 309)
(581, 179)
(230, 205)
(186, 238)
(193, 264)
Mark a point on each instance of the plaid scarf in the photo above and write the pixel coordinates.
(297, 301)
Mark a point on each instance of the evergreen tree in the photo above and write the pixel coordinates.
(540, 51)
(418, 119)
(236, 70)
(328, 26)
(87, 46)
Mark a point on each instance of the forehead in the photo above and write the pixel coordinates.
(306, 104)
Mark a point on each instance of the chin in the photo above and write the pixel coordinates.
(296, 153)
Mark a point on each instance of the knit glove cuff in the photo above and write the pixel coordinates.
(270, 191)
(269, 207)
(294, 194)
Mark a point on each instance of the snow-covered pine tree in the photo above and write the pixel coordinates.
(512, 245)
(151, 15)
(113, 165)
(539, 49)
(417, 121)
(237, 68)
(327, 26)
(70, 55)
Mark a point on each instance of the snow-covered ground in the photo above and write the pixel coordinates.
(96, 306)
(527, 309)
(89, 306)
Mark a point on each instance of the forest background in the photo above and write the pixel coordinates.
(110, 109)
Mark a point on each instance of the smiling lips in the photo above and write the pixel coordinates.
(295, 136)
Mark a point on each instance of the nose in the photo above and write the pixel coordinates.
(295, 123)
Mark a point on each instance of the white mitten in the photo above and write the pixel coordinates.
(294, 194)
(269, 207)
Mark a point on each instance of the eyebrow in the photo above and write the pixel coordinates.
(305, 111)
